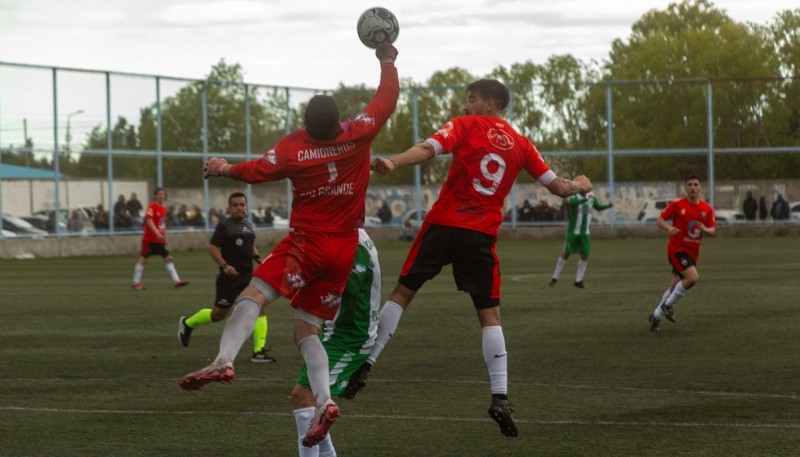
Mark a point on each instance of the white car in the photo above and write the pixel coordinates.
(794, 211)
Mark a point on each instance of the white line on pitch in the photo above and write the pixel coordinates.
(413, 418)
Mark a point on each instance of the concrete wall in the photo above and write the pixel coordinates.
(131, 244)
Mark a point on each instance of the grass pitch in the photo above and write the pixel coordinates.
(91, 368)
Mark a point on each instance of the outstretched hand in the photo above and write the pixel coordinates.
(583, 183)
(386, 53)
(382, 166)
(214, 167)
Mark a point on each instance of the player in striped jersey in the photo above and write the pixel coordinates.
(348, 339)
(577, 242)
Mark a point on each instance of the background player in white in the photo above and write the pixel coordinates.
(580, 218)
(461, 227)
(348, 340)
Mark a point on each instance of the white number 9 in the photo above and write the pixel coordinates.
(495, 177)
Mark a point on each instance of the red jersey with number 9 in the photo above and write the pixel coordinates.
(488, 154)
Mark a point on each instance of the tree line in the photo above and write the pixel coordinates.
(657, 81)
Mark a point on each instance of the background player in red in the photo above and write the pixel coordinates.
(461, 227)
(691, 218)
(328, 163)
(154, 241)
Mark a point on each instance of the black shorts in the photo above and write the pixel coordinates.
(680, 261)
(149, 249)
(229, 287)
(476, 268)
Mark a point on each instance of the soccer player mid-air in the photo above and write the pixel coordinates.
(328, 163)
(462, 226)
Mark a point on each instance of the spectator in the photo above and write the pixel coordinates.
(74, 224)
(526, 211)
(780, 209)
(196, 217)
(762, 208)
(183, 215)
(407, 232)
(134, 207)
(100, 218)
(385, 213)
(172, 217)
(213, 217)
(268, 218)
(121, 219)
(750, 207)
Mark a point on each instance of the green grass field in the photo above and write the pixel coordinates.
(91, 368)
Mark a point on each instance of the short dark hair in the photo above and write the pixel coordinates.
(691, 177)
(322, 117)
(158, 189)
(491, 89)
(236, 195)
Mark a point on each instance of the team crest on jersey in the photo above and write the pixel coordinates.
(239, 242)
(703, 214)
(693, 229)
(270, 157)
(684, 262)
(446, 129)
(331, 299)
(500, 139)
(295, 280)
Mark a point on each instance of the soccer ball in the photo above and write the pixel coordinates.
(377, 25)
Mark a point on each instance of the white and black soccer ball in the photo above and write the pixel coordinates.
(377, 25)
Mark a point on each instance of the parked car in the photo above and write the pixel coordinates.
(372, 221)
(413, 217)
(794, 211)
(44, 220)
(20, 226)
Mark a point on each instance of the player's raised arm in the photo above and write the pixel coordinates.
(417, 154)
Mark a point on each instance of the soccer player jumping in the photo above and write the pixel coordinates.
(328, 163)
(462, 226)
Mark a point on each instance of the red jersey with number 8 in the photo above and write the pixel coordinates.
(488, 154)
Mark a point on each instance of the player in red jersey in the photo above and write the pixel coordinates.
(691, 219)
(154, 241)
(462, 226)
(328, 163)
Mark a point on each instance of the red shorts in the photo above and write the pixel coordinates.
(311, 269)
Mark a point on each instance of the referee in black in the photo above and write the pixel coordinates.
(233, 248)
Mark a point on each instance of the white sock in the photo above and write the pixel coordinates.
(173, 273)
(559, 266)
(326, 447)
(581, 270)
(237, 329)
(676, 295)
(137, 273)
(657, 313)
(387, 324)
(302, 419)
(496, 358)
(317, 368)
(664, 297)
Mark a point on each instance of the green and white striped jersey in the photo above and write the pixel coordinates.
(580, 213)
(355, 325)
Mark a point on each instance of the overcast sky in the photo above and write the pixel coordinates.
(297, 43)
(313, 43)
